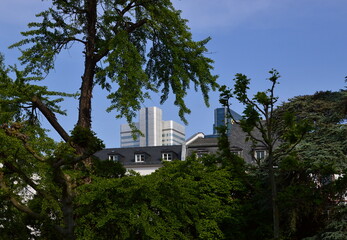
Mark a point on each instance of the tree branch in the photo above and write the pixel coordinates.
(134, 26)
(13, 131)
(127, 8)
(67, 40)
(50, 116)
(74, 161)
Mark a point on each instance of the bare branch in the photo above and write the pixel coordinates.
(128, 7)
(134, 26)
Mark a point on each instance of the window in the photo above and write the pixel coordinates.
(238, 153)
(260, 154)
(113, 158)
(166, 156)
(139, 157)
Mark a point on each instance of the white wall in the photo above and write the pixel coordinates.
(143, 170)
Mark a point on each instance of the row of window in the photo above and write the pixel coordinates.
(140, 157)
(258, 154)
(174, 136)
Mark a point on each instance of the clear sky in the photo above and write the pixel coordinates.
(305, 40)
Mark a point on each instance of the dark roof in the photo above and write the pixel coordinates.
(153, 154)
(204, 142)
(195, 135)
(237, 140)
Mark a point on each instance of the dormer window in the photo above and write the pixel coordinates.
(114, 158)
(166, 156)
(139, 157)
(260, 154)
(237, 153)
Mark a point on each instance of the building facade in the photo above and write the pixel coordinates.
(156, 132)
(143, 160)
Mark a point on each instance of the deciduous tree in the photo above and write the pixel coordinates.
(130, 48)
(261, 126)
(191, 199)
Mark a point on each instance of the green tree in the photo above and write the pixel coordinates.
(191, 199)
(261, 126)
(130, 48)
(313, 178)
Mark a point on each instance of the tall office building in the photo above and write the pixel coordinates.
(156, 131)
(221, 118)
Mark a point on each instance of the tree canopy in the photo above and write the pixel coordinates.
(130, 48)
(316, 172)
(190, 199)
(141, 45)
(304, 167)
(261, 126)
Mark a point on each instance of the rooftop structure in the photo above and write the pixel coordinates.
(143, 160)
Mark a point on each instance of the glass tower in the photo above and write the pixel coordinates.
(221, 118)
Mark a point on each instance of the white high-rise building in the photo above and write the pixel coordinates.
(156, 131)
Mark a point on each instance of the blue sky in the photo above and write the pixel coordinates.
(305, 40)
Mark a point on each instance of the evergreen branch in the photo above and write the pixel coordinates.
(291, 148)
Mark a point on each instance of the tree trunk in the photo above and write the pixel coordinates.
(275, 211)
(67, 207)
(85, 105)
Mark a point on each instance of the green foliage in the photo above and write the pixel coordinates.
(108, 168)
(122, 32)
(324, 148)
(253, 117)
(16, 96)
(130, 49)
(307, 185)
(85, 138)
(12, 225)
(279, 134)
(182, 200)
(336, 228)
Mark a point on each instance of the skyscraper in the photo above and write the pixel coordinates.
(156, 131)
(221, 118)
